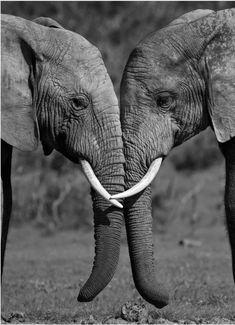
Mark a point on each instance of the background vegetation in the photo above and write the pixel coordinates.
(51, 192)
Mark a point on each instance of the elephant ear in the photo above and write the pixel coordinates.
(220, 58)
(21, 56)
(48, 22)
(210, 39)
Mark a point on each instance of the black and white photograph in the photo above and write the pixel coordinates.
(118, 162)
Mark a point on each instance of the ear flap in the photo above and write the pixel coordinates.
(220, 58)
(48, 22)
(19, 59)
(210, 39)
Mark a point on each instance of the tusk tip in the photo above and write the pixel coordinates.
(116, 203)
(145, 181)
(116, 196)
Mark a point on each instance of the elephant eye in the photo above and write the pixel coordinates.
(164, 100)
(80, 102)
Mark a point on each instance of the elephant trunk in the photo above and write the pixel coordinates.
(138, 219)
(108, 224)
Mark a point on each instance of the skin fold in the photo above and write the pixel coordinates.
(55, 89)
(177, 82)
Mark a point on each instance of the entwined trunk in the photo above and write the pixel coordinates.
(108, 223)
(138, 219)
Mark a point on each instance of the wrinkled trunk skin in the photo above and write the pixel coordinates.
(138, 219)
(108, 223)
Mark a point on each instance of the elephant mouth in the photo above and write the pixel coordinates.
(144, 182)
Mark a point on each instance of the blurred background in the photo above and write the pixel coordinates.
(52, 194)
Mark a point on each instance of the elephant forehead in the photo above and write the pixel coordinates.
(155, 60)
(158, 78)
(88, 65)
(83, 50)
(92, 78)
(80, 67)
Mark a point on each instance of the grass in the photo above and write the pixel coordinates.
(43, 275)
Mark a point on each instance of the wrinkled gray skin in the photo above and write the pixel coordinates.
(177, 82)
(55, 88)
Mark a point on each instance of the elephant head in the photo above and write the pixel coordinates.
(55, 89)
(177, 82)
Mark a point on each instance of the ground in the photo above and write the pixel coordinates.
(43, 275)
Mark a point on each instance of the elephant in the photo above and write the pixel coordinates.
(177, 82)
(56, 90)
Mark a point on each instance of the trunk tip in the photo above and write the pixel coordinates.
(156, 295)
(84, 296)
(160, 301)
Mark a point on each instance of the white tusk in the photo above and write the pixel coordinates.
(95, 183)
(145, 181)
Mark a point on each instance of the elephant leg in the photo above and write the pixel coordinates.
(228, 150)
(6, 153)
